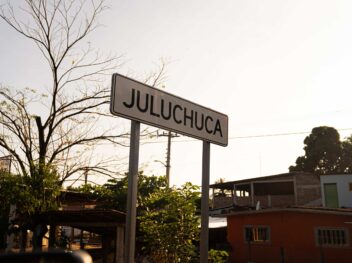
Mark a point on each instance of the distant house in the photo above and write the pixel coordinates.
(102, 233)
(336, 190)
(280, 190)
(80, 224)
(298, 234)
(99, 231)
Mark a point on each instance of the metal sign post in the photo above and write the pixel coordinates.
(204, 234)
(130, 235)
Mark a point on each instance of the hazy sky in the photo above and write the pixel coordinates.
(274, 67)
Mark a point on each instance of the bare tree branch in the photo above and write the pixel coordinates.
(66, 125)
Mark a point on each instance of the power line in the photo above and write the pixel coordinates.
(252, 136)
(235, 137)
(267, 135)
(278, 134)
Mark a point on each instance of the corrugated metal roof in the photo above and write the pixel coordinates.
(229, 185)
(298, 209)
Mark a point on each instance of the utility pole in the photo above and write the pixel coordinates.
(168, 153)
(85, 176)
(81, 243)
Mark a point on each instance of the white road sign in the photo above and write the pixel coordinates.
(137, 101)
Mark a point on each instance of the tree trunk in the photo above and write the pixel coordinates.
(38, 234)
(23, 240)
(42, 148)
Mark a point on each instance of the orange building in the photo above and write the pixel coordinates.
(290, 235)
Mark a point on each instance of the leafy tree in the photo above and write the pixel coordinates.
(31, 195)
(170, 225)
(114, 193)
(325, 153)
(98, 193)
(322, 151)
(146, 186)
(10, 193)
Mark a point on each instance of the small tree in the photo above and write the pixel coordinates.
(170, 226)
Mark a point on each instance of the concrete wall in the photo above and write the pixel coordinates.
(342, 181)
(308, 189)
(292, 237)
(222, 201)
(265, 201)
(274, 200)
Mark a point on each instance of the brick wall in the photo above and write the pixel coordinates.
(242, 201)
(308, 189)
(275, 200)
(222, 201)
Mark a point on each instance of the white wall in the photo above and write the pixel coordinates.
(342, 181)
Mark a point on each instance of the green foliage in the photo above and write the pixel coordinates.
(10, 191)
(169, 213)
(169, 224)
(114, 193)
(95, 192)
(44, 188)
(9, 194)
(30, 194)
(146, 186)
(346, 156)
(325, 153)
(217, 256)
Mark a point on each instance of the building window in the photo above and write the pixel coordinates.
(350, 186)
(334, 237)
(256, 234)
(241, 193)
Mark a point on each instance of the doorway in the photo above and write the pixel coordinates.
(331, 196)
